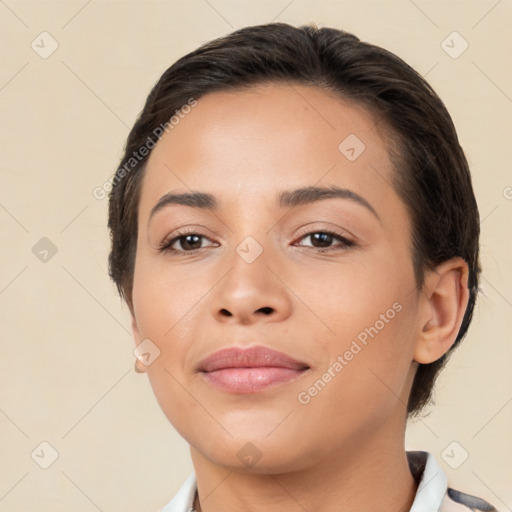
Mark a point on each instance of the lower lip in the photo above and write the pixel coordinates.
(250, 380)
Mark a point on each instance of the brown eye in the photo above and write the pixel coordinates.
(323, 240)
(183, 242)
(189, 242)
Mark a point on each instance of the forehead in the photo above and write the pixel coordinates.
(247, 142)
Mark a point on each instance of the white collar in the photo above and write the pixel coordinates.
(429, 496)
(433, 483)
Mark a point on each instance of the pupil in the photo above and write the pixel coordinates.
(188, 237)
(324, 238)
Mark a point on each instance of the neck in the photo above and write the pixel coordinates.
(367, 477)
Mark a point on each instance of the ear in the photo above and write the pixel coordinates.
(139, 366)
(443, 303)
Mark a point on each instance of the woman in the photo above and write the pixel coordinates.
(295, 233)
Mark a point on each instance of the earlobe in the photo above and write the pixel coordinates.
(443, 304)
(139, 366)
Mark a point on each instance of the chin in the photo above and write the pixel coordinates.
(275, 454)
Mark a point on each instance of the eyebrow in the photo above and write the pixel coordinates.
(285, 199)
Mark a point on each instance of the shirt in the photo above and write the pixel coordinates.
(432, 495)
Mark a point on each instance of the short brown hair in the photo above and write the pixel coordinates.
(432, 175)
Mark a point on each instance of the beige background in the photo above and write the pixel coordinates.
(66, 364)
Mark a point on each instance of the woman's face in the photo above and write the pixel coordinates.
(254, 268)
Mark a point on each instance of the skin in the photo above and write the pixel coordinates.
(245, 147)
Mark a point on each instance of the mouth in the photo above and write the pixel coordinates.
(250, 370)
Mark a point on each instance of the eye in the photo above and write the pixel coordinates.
(188, 241)
(322, 240)
(193, 241)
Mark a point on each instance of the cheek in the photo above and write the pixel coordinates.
(170, 311)
(367, 378)
(370, 312)
(164, 300)
(365, 299)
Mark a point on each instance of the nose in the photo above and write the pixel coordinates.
(251, 292)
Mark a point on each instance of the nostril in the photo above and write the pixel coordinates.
(266, 310)
(225, 312)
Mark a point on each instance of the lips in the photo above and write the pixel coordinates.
(252, 357)
(250, 370)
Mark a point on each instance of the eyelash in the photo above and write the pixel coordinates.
(166, 244)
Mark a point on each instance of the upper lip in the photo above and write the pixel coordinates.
(251, 357)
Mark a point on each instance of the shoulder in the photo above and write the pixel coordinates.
(434, 493)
